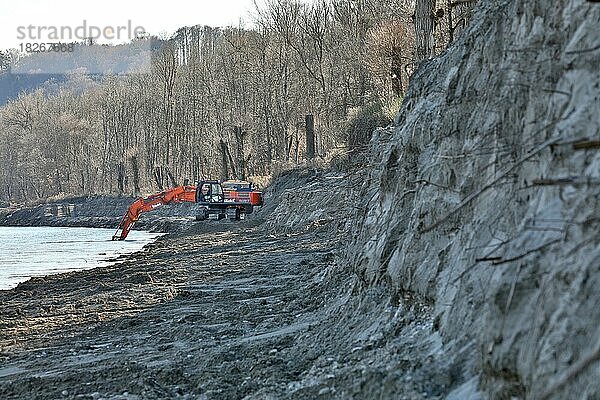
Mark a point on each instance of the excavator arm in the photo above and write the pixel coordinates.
(175, 195)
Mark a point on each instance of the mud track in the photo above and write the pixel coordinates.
(229, 312)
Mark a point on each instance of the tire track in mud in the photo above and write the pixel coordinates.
(148, 324)
(220, 312)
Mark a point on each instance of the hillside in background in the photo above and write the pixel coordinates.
(216, 102)
(11, 85)
(48, 70)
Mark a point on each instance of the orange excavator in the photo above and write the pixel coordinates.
(218, 200)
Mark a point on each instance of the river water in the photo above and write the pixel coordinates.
(28, 252)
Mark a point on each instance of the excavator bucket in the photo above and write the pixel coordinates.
(123, 229)
(117, 235)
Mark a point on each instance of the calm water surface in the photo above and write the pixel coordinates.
(28, 252)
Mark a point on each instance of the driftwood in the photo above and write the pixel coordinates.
(586, 144)
(574, 180)
(501, 261)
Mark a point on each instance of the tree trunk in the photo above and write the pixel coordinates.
(310, 137)
(450, 21)
(121, 178)
(136, 176)
(196, 168)
(158, 177)
(239, 137)
(171, 177)
(424, 29)
(57, 182)
(232, 164)
(396, 72)
(225, 169)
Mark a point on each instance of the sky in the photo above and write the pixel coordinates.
(157, 18)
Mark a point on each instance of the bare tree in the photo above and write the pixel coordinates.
(424, 23)
(337, 60)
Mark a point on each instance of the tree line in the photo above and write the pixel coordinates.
(223, 102)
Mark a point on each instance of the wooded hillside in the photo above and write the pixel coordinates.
(224, 102)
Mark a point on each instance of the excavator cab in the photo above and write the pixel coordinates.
(225, 200)
(209, 192)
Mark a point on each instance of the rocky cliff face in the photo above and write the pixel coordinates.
(487, 201)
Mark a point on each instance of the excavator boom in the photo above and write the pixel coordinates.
(175, 195)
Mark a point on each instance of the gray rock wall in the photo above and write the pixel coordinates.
(487, 204)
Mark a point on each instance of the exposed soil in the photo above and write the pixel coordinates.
(223, 311)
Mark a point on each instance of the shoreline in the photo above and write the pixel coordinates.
(77, 248)
(97, 212)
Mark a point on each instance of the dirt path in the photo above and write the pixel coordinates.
(213, 314)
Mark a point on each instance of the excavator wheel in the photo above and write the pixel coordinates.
(233, 213)
(202, 215)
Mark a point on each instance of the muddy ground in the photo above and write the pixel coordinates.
(221, 311)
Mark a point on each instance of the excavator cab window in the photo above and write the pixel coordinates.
(216, 193)
(205, 192)
(210, 192)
